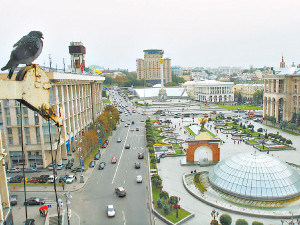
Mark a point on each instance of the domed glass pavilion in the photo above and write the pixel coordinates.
(256, 176)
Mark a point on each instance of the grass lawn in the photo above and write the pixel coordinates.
(172, 215)
(176, 145)
(198, 183)
(235, 107)
(179, 152)
(189, 130)
(106, 101)
(262, 148)
(34, 185)
(252, 141)
(210, 133)
(287, 131)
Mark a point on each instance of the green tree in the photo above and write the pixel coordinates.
(164, 195)
(292, 126)
(173, 200)
(272, 120)
(166, 209)
(283, 124)
(241, 222)
(289, 142)
(159, 203)
(257, 223)
(225, 219)
(258, 97)
(108, 80)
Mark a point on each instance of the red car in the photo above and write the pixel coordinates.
(104, 145)
(114, 160)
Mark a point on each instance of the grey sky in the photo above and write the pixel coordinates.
(191, 32)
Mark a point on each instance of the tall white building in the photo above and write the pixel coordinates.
(80, 97)
(149, 67)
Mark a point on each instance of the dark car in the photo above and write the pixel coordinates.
(97, 156)
(13, 199)
(69, 166)
(78, 169)
(120, 191)
(92, 164)
(137, 165)
(102, 165)
(43, 178)
(137, 129)
(140, 155)
(63, 178)
(132, 122)
(30, 170)
(34, 201)
(16, 179)
(29, 222)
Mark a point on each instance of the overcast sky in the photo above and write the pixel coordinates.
(191, 32)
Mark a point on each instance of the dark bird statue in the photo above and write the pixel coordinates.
(25, 51)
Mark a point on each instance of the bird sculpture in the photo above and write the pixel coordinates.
(25, 51)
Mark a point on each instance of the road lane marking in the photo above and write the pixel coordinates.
(124, 218)
(120, 158)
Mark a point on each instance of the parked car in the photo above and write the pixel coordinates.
(33, 180)
(79, 169)
(137, 165)
(59, 166)
(8, 179)
(70, 179)
(30, 170)
(50, 166)
(14, 170)
(69, 166)
(111, 211)
(13, 200)
(139, 179)
(34, 201)
(140, 155)
(97, 156)
(120, 191)
(102, 165)
(51, 179)
(104, 145)
(114, 160)
(16, 179)
(127, 146)
(26, 179)
(62, 178)
(43, 178)
(92, 164)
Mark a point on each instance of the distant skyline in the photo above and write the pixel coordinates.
(207, 33)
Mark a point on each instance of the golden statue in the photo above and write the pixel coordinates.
(202, 122)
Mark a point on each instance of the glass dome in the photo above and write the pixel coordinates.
(256, 176)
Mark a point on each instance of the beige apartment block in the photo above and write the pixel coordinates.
(248, 90)
(282, 93)
(79, 96)
(149, 67)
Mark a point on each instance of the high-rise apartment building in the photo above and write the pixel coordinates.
(79, 96)
(149, 67)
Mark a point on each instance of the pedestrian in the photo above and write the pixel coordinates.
(63, 185)
(75, 178)
(195, 171)
(234, 141)
(192, 171)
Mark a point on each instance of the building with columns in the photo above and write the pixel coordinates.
(282, 93)
(149, 67)
(80, 98)
(248, 90)
(211, 91)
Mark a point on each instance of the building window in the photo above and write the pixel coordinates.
(25, 110)
(8, 121)
(36, 118)
(281, 86)
(28, 142)
(7, 111)
(9, 131)
(26, 120)
(6, 102)
(27, 130)
(10, 141)
(16, 158)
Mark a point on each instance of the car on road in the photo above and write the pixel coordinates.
(111, 211)
(50, 166)
(139, 179)
(13, 199)
(120, 191)
(51, 179)
(92, 164)
(14, 170)
(126, 125)
(102, 165)
(137, 165)
(140, 155)
(62, 178)
(137, 129)
(34, 201)
(79, 169)
(70, 179)
(59, 166)
(119, 140)
(97, 156)
(114, 160)
(127, 146)
(69, 166)
(30, 170)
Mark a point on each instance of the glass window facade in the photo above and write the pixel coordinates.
(256, 176)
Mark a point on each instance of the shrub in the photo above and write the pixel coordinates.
(257, 223)
(289, 142)
(225, 219)
(214, 222)
(241, 222)
(159, 203)
(250, 126)
(166, 209)
(259, 129)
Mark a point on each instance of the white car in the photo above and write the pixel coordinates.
(59, 166)
(70, 179)
(139, 179)
(111, 211)
(51, 179)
